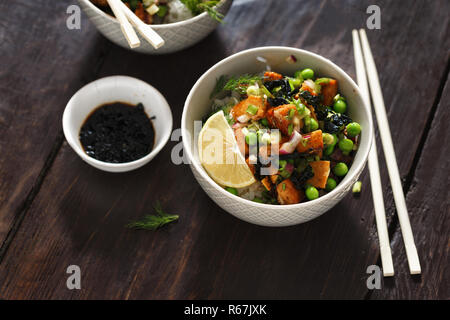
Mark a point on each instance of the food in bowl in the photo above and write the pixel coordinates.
(278, 139)
(167, 11)
(117, 132)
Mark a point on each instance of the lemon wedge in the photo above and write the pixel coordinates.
(220, 156)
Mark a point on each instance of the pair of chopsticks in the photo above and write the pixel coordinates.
(124, 15)
(365, 64)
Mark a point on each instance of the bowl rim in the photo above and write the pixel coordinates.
(124, 166)
(156, 26)
(289, 50)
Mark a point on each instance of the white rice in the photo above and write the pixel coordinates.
(177, 12)
(252, 191)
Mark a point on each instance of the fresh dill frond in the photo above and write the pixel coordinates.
(208, 6)
(220, 84)
(154, 221)
(240, 84)
(199, 6)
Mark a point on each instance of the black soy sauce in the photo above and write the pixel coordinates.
(118, 132)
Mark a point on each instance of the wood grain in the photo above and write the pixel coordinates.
(428, 202)
(79, 214)
(41, 67)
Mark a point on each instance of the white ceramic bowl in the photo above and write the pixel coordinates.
(198, 104)
(112, 89)
(177, 36)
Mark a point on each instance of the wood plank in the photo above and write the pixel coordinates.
(208, 253)
(428, 202)
(42, 64)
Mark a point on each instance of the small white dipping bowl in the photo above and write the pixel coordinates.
(198, 104)
(117, 89)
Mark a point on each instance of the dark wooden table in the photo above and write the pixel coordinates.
(56, 211)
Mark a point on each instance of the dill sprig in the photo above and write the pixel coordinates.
(241, 83)
(198, 6)
(208, 6)
(220, 84)
(154, 221)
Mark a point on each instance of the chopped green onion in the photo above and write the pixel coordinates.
(307, 121)
(266, 92)
(162, 11)
(300, 106)
(253, 90)
(357, 187)
(284, 186)
(290, 129)
(252, 109)
(291, 113)
(338, 97)
(322, 80)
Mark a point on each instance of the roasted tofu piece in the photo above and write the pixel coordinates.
(288, 194)
(321, 171)
(279, 117)
(312, 144)
(251, 166)
(266, 183)
(306, 87)
(269, 75)
(242, 107)
(329, 91)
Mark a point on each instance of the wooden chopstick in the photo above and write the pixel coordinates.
(374, 169)
(127, 29)
(389, 153)
(144, 29)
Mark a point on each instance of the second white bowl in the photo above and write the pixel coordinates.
(177, 36)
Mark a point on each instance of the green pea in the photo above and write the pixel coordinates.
(251, 138)
(346, 145)
(340, 169)
(307, 73)
(298, 75)
(353, 129)
(311, 193)
(331, 184)
(232, 190)
(340, 106)
(264, 122)
(328, 139)
(329, 150)
(314, 124)
(336, 139)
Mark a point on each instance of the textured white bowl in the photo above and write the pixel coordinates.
(198, 104)
(113, 89)
(177, 36)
